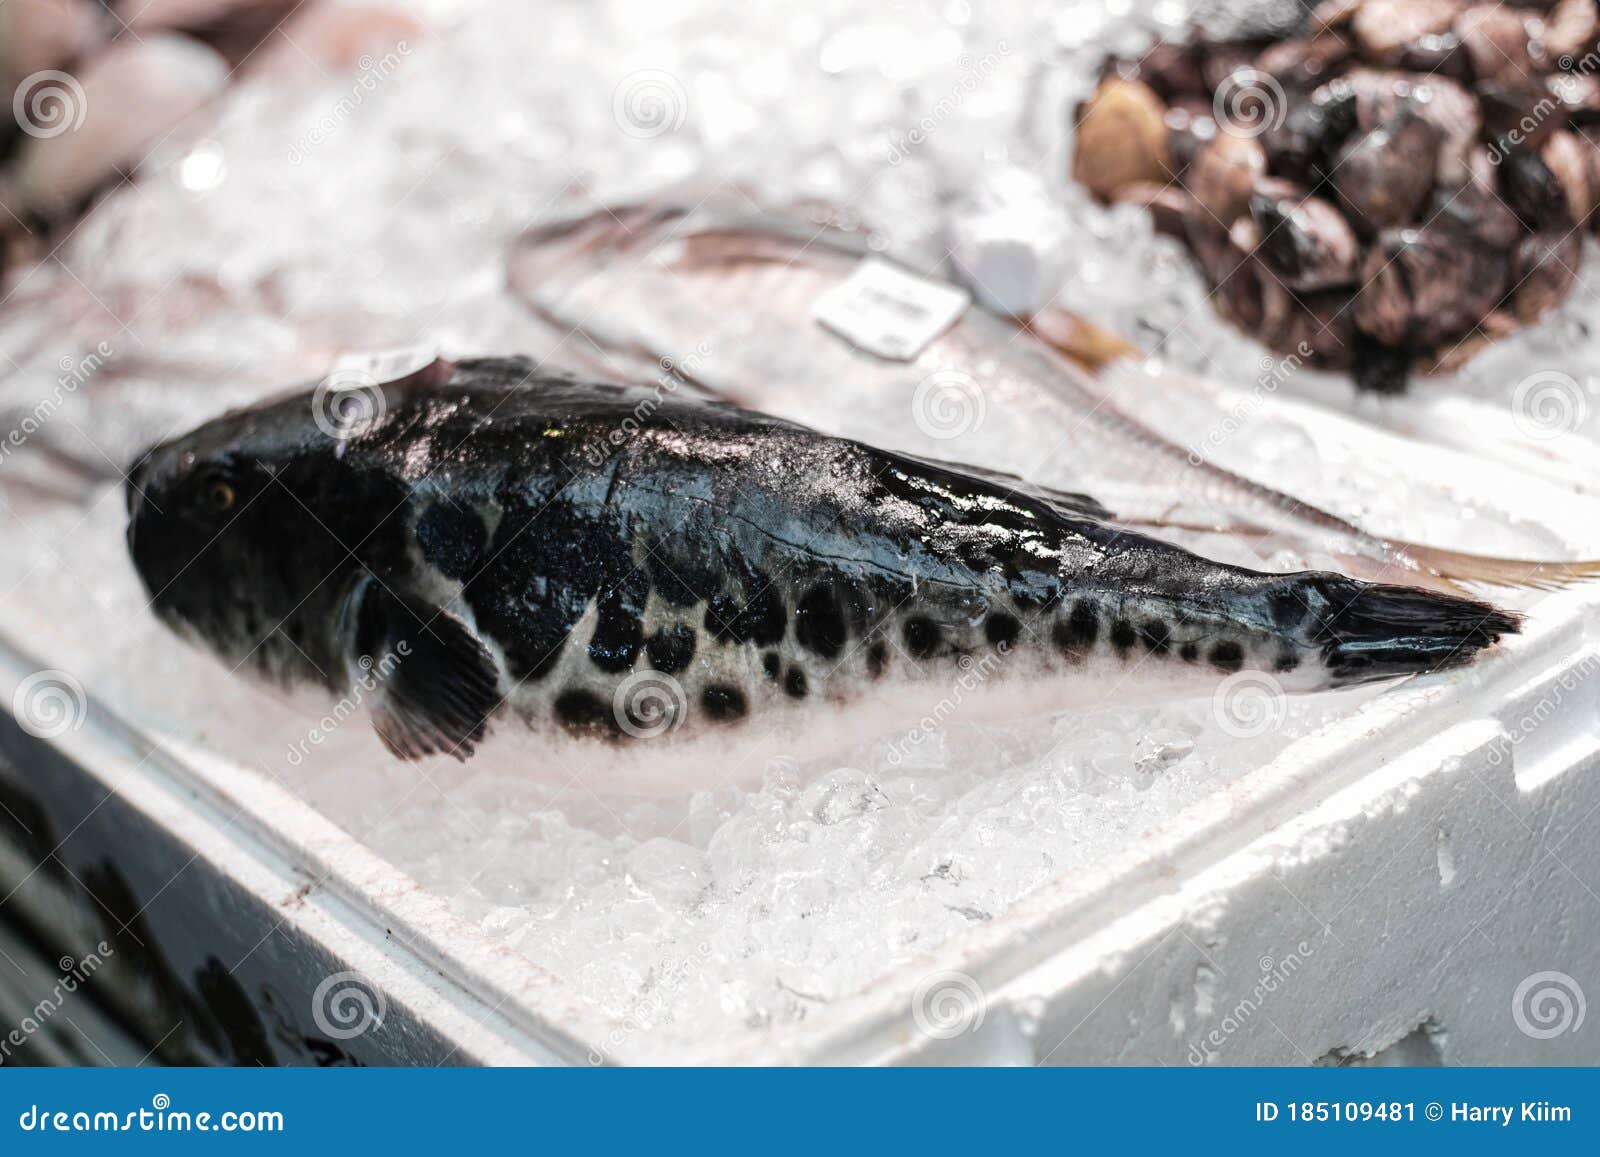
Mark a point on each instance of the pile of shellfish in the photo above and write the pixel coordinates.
(1383, 191)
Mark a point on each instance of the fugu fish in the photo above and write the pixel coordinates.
(606, 564)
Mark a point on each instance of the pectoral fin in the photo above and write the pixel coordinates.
(434, 683)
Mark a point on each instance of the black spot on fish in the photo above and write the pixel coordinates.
(1190, 651)
(547, 563)
(671, 648)
(1157, 635)
(451, 538)
(759, 620)
(1075, 635)
(586, 713)
(922, 637)
(617, 635)
(862, 608)
(794, 683)
(1287, 661)
(877, 658)
(1001, 629)
(819, 624)
(1227, 656)
(772, 665)
(723, 703)
(1123, 636)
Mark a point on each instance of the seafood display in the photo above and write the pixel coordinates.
(717, 521)
(1384, 190)
(527, 546)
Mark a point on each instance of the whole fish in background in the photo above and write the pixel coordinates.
(530, 547)
(723, 295)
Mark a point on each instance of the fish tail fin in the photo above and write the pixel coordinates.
(1370, 631)
(1459, 568)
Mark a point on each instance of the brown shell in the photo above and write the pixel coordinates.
(1543, 271)
(1304, 241)
(1501, 42)
(1422, 287)
(1224, 173)
(1121, 137)
(1571, 31)
(1569, 159)
(1383, 176)
(1304, 63)
(1383, 29)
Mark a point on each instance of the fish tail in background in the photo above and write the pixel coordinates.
(1371, 631)
(1366, 555)
(1459, 567)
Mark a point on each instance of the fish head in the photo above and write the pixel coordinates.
(229, 532)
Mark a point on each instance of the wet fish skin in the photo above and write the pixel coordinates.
(529, 544)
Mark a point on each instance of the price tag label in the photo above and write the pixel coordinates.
(889, 312)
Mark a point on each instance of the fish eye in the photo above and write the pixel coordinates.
(216, 493)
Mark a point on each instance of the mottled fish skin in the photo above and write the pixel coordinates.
(542, 544)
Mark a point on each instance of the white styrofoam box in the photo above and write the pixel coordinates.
(1420, 874)
(1424, 866)
(1428, 851)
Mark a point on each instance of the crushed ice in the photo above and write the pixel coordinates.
(300, 233)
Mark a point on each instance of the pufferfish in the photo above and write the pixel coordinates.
(518, 551)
